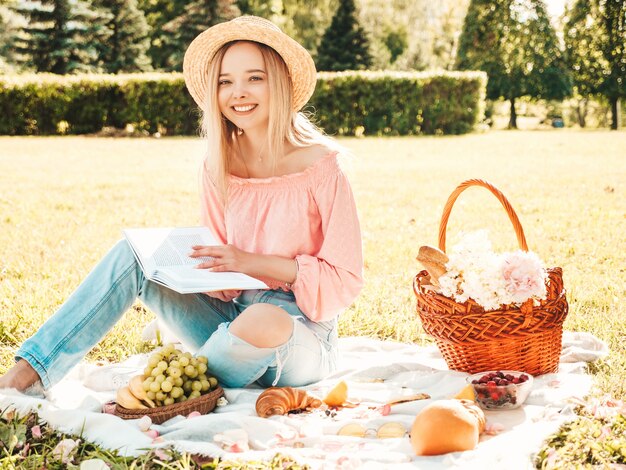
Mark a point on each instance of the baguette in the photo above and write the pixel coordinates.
(434, 261)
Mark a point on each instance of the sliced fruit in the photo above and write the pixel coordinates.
(136, 388)
(338, 395)
(466, 393)
(128, 400)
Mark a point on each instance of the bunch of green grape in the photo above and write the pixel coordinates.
(173, 376)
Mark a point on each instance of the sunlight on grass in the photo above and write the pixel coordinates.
(64, 202)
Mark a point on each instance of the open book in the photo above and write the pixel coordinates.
(163, 253)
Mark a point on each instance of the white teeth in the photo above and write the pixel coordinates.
(243, 109)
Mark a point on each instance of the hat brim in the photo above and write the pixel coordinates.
(203, 48)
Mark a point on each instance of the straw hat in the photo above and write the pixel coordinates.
(248, 28)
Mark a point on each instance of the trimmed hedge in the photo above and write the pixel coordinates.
(399, 103)
(344, 103)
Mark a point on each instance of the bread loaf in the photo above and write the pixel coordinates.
(434, 261)
(447, 426)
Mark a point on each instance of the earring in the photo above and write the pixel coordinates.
(239, 131)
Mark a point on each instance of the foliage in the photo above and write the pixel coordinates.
(596, 440)
(60, 36)
(126, 42)
(344, 45)
(413, 34)
(595, 38)
(197, 16)
(8, 28)
(174, 23)
(346, 103)
(398, 103)
(306, 21)
(514, 42)
(49, 104)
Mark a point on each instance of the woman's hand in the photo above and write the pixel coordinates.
(224, 295)
(225, 258)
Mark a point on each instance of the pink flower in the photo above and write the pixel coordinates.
(162, 455)
(233, 440)
(492, 429)
(36, 431)
(524, 276)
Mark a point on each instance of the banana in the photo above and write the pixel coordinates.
(128, 400)
(136, 388)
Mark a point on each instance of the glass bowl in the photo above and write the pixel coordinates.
(501, 389)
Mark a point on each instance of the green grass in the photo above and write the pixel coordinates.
(64, 202)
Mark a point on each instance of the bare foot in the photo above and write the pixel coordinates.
(20, 376)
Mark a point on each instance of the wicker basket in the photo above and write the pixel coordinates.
(203, 404)
(526, 338)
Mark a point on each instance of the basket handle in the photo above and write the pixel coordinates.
(519, 231)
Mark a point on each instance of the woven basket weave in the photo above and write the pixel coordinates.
(525, 338)
(203, 404)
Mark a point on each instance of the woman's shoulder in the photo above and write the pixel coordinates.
(301, 158)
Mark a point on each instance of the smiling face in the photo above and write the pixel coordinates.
(243, 87)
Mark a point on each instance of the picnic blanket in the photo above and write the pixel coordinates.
(375, 371)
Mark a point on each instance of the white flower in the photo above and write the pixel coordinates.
(94, 464)
(491, 280)
(64, 449)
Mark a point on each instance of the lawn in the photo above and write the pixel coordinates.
(65, 200)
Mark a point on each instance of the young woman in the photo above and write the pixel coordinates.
(274, 193)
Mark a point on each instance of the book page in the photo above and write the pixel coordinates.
(163, 254)
(187, 279)
(174, 250)
(169, 246)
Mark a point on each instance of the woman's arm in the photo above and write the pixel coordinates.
(231, 258)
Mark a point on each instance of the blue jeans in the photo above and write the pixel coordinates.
(199, 321)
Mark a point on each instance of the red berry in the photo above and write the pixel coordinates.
(494, 396)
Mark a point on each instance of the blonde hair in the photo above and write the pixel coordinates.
(285, 124)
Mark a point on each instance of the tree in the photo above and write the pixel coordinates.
(413, 34)
(595, 40)
(514, 42)
(306, 20)
(344, 45)
(126, 43)
(270, 9)
(196, 17)
(8, 30)
(59, 37)
(174, 24)
(158, 13)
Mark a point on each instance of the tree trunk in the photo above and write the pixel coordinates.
(581, 112)
(513, 118)
(615, 113)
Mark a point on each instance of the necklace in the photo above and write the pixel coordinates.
(258, 157)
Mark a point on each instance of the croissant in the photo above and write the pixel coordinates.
(281, 400)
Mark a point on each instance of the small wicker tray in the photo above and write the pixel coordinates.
(203, 404)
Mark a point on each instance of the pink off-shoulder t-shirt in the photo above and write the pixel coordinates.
(310, 216)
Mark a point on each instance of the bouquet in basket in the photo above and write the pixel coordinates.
(489, 311)
(474, 271)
